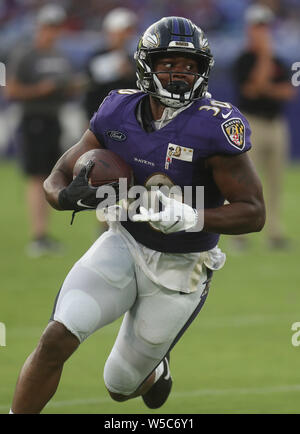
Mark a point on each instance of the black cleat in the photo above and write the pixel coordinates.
(159, 392)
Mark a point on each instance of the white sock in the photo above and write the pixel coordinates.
(159, 371)
(10, 411)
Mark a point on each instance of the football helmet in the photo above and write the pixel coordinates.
(180, 36)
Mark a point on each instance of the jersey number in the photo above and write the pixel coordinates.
(216, 106)
(128, 91)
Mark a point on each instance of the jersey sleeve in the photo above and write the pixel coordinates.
(97, 122)
(112, 112)
(231, 135)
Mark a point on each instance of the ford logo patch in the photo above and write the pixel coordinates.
(116, 135)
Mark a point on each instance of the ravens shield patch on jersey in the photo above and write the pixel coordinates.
(234, 130)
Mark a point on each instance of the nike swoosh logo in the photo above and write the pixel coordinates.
(167, 376)
(79, 203)
(226, 116)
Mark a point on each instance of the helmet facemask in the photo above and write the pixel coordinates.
(177, 93)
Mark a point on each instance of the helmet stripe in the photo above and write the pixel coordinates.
(182, 30)
(175, 29)
(188, 30)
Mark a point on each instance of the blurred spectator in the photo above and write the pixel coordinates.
(264, 85)
(38, 78)
(112, 67)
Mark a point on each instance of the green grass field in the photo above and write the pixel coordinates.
(237, 357)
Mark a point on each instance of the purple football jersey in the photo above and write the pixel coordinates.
(176, 152)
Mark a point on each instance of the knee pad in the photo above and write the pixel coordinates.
(120, 376)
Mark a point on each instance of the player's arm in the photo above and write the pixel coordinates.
(62, 173)
(238, 182)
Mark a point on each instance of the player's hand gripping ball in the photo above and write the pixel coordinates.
(108, 167)
(92, 170)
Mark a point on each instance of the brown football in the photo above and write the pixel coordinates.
(108, 167)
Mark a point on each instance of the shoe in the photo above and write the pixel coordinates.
(43, 246)
(159, 392)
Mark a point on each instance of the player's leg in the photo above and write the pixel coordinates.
(40, 374)
(148, 332)
(94, 294)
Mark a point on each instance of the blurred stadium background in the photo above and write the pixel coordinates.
(238, 356)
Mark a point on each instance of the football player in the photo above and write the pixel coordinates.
(155, 267)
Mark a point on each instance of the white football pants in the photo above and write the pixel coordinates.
(107, 283)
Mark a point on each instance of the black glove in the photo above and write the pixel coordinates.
(80, 195)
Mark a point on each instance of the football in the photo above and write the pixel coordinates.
(108, 167)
